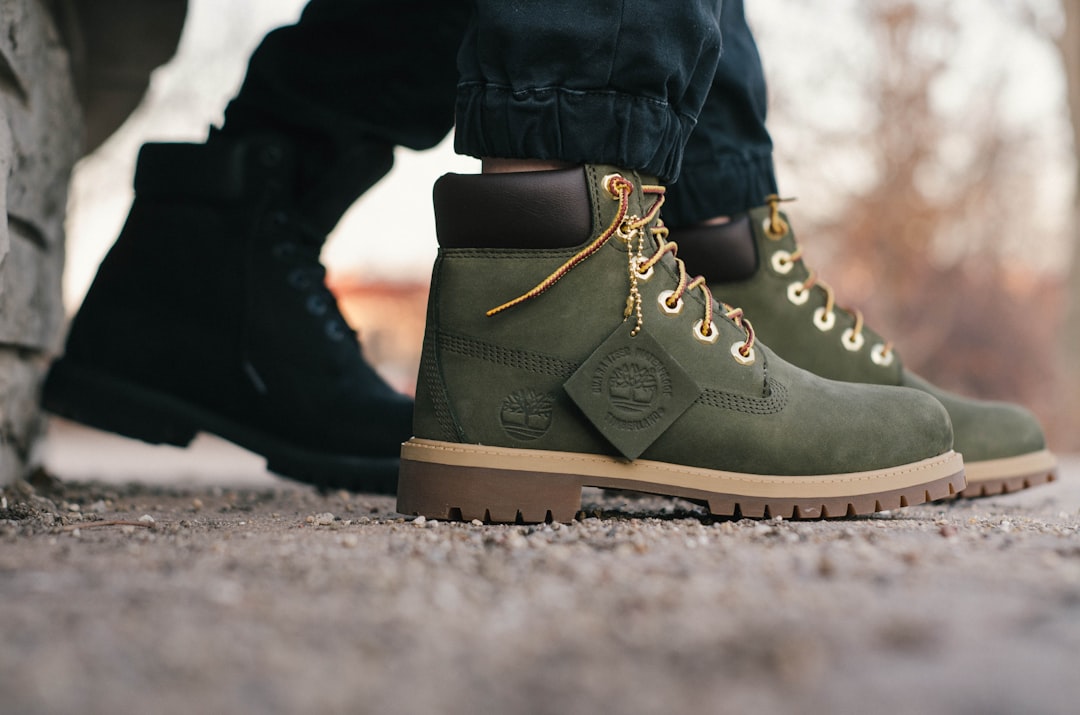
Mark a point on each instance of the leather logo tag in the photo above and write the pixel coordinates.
(632, 390)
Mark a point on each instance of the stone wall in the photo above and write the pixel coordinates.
(40, 139)
(70, 72)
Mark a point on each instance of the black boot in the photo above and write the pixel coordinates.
(211, 313)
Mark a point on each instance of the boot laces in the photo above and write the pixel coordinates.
(630, 230)
(776, 228)
(300, 247)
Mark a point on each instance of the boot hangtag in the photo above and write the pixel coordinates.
(632, 390)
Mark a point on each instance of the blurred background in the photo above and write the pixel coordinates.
(929, 143)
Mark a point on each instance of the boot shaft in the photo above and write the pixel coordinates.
(219, 252)
(562, 370)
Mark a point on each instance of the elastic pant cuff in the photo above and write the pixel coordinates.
(729, 186)
(580, 127)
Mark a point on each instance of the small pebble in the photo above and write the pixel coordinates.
(350, 541)
(196, 503)
(73, 507)
(3, 502)
(146, 519)
(948, 531)
(419, 521)
(324, 519)
(98, 507)
(476, 522)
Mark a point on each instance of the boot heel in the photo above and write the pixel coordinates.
(443, 491)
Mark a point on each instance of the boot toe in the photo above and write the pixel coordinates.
(986, 430)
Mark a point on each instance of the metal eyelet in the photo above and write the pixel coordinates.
(782, 263)
(880, 357)
(851, 341)
(824, 321)
(662, 299)
(317, 305)
(797, 294)
(283, 251)
(299, 279)
(646, 275)
(767, 227)
(736, 352)
(334, 330)
(709, 339)
(606, 183)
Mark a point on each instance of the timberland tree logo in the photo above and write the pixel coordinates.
(635, 384)
(631, 389)
(526, 414)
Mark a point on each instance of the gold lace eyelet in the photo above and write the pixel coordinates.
(712, 337)
(824, 321)
(737, 353)
(851, 341)
(645, 275)
(782, 263)
(663, 299)
(626, 233)
(879, 357)
(797, 294)
(606, 183)
(766, 225)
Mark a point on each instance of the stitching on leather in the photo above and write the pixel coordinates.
(520, 359)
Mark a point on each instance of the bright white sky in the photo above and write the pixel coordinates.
(390, 231)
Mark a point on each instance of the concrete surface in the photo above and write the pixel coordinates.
(179, 588)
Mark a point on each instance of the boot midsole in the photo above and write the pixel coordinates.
(661, 477)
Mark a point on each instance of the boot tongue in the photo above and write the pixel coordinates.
(326, 191)
(312, 177)
(723, 253)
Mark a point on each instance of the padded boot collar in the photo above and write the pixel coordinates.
(533, 209)
(228, 169)
(725, 252)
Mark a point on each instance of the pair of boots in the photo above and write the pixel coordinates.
(566, 346)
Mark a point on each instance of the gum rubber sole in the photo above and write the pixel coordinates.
(112, 404)
(1012, 474)
(443, 480)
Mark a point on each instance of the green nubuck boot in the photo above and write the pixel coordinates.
(210, 314)
(566, 347)
(756, 262)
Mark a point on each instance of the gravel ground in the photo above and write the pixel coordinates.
(272, 598)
